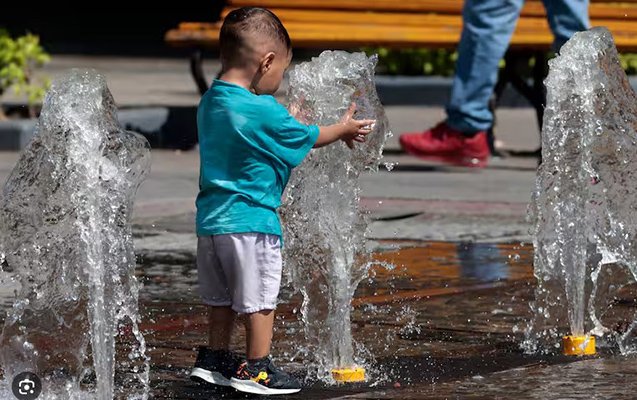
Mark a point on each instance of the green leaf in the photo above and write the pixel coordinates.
(19, 58)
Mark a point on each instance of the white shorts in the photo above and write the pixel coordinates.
(241, 270)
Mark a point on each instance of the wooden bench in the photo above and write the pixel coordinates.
(351, 24)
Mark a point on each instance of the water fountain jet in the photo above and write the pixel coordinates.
(584, 204)
(325, 251)
(66, 239)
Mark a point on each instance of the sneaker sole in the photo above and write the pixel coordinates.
(248, 386)
(200, 374)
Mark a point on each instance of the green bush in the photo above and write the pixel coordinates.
(629, 63)
(415, 61)
(441, 62)
(19, 58)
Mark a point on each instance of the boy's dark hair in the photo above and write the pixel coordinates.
(243, 22)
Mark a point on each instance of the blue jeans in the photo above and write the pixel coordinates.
(487, 30)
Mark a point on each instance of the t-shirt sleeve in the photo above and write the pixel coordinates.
(291, 140)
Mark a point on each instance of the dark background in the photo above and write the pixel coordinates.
(105, 28)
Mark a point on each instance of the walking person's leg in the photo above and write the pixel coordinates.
(487, 29)
(566, 17)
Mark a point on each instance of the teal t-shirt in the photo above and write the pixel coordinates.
(248, 146)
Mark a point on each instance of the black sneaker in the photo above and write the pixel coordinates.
(262, 377)
(216, 367)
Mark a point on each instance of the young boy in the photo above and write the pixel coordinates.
(249, 143)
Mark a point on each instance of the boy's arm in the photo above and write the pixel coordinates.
(348, 129)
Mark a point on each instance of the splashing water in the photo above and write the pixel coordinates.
(585, 199)
(324, 226)
(66, 239)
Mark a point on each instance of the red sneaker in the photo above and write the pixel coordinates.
(444, 144)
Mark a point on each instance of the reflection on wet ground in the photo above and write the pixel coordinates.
(445, 311)
(444, 322)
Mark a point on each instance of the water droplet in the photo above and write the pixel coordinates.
(389, 166)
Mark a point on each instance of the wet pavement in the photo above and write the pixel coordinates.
(428, 319)
(445, 322)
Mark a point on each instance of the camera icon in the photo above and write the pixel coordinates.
(26, 386)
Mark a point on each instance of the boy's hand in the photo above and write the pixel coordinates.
(355, 129)
(349, 130)
(299, 109)
(295, 109)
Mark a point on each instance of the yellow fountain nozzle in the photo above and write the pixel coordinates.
(578, 345)
(343, 375)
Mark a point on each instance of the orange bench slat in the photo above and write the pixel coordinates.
(350, 35)
(401, 23)
(597, 9)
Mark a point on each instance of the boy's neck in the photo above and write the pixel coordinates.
(238, 77)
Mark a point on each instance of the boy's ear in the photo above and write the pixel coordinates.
(267, 61)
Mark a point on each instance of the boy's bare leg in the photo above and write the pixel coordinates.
(259, 327)
(220, 326)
